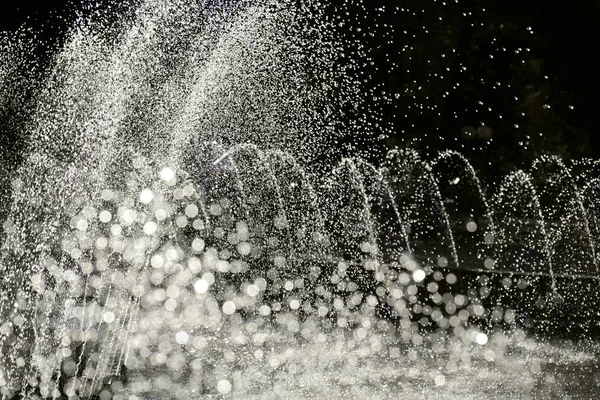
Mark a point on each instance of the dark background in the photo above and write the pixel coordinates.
(542, 101)
(524, 70)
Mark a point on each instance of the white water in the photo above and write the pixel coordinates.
(176, 230)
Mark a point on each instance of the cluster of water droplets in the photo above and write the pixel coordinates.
(167, 278)
(183, 223)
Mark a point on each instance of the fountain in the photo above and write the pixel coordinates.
(180, 225)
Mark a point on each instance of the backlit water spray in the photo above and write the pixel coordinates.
(192, 217)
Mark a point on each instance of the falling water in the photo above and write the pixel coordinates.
(185, 222)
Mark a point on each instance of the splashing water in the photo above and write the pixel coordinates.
(182, 225)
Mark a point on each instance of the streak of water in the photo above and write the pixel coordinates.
(578, 198)
(169, 227)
